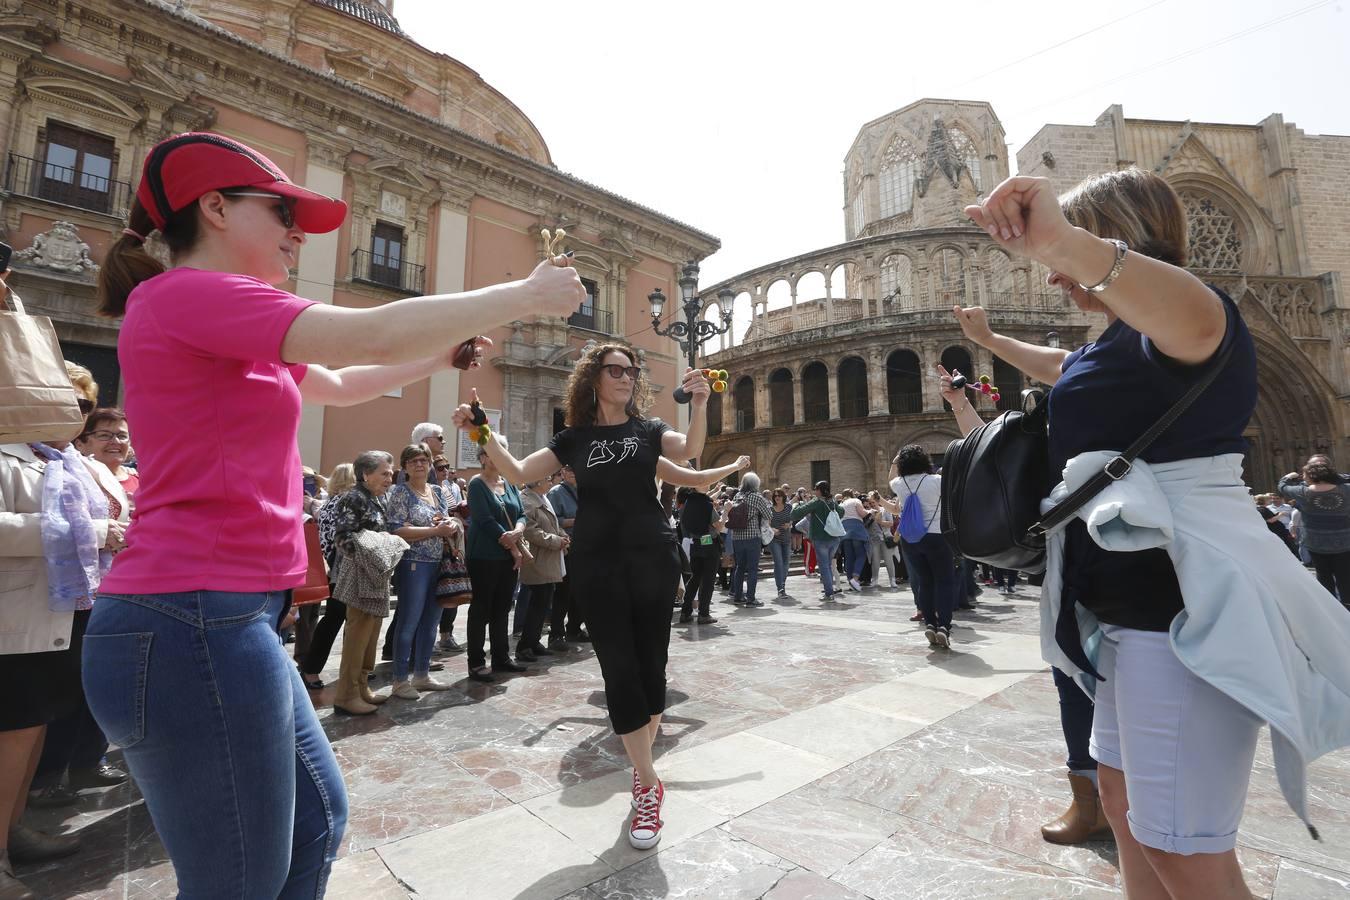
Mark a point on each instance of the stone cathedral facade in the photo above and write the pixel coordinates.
(836, 369)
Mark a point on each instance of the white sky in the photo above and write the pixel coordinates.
(735, 116)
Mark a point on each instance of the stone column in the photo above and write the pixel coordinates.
(797, 406)
(832, 379)
(762, 417)
(877, 401)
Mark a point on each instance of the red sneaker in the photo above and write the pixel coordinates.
(644, 832)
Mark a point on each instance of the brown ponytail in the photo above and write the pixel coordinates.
(126, 263)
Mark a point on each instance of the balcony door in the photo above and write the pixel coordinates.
(77, 168)
(386, 254)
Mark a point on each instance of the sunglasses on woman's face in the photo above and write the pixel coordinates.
(282, 208)
(617, 372)
(442, 468)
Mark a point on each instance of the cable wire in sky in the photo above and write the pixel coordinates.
(1056, 46)
(1180, 56)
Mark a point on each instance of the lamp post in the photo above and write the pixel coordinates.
(693, 332)
(1052, 340)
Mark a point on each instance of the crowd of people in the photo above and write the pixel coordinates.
(149, 598)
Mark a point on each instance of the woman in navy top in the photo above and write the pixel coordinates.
(1117, 245)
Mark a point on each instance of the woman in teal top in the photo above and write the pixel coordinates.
(817, 510)
(496, 530)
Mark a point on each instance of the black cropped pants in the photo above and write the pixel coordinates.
(625, 596)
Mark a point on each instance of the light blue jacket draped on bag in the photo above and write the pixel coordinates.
(1257, 625)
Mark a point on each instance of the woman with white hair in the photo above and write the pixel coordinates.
(747, 545)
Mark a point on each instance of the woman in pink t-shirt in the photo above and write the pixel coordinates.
(183, 666)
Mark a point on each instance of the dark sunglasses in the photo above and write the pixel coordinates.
(442, 468)
(285, 212)
(617, 372)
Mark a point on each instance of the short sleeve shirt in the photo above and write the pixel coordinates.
(617, 500)
(406, 508)
(1111, 392)
(215, 410)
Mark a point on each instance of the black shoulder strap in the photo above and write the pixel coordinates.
(1118, 467)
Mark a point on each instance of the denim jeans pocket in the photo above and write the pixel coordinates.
(225, 609)
(116, 670)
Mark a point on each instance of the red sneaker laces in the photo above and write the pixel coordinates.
(648, 810)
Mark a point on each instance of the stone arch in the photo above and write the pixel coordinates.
(810, 285)
(848, 462)
(1292, 416)
(743, 401)
(897, 173)
(781, 401)
(815, 380)
(67, 92)
(897, 280)
(947, 268)
(934, 440)
(399, 171)
(776, 297)
(851, 378)
(967, 150)
(904, 382)
(998, 267)
(742, 318)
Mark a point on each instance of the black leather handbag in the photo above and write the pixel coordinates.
(994, 479)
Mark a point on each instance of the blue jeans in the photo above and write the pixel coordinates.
(932, 575)
(746, 574)
(780, 550)
(1075, 720)
(825, 550)
(855, 557)
(415, 582)
(220, 735)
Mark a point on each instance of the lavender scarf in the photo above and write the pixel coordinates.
(71, 503)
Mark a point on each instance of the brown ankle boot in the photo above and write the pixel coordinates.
(1084, 820)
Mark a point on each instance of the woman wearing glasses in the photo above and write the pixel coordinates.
(183, 666)
(107, 440)
(624, 561)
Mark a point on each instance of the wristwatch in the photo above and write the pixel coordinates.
(1121, 249)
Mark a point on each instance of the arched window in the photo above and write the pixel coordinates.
(852, 388)
(780, 398)
(1000, 276)
(1009, 382)
(899, 169)
(714, 414)
(966, 152)
(896, 280)
(957, 359)
(904, 382)
(744, 399)
(858, 208)
(816, 393)
(951, 277)
(1215, 242)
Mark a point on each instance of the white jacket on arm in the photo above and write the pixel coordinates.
(27, 624)
(1257, 625)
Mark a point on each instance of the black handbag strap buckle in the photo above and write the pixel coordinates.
(1118, 468)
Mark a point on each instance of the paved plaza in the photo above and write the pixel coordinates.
(810, 750)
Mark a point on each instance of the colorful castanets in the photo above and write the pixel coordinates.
(479, 432)
(984, 385)
(717, 377)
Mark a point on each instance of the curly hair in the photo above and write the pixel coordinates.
(1321, 472)
(913, 460)
(580, 405)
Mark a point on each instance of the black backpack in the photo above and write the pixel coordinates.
(994, 479)
(738, 517)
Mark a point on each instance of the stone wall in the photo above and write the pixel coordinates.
(1323, 180)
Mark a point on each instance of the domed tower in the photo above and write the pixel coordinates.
(376, 12)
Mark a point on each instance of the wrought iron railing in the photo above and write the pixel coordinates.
(30, 177)
(816, 412)
(376, 268)
(899, 404)
(592, 319)
(745, 420)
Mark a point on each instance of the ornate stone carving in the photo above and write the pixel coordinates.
(59, 250)
(1214, 239)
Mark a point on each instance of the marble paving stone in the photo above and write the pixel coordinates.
(971, 675)
(839, 732)
(801, 884)
(523, 770)
(1269, 825)
(737, 773)
(506, 853)
(595, 815)
(933, 864)
(906, 700)
(363, 876)
(710, 866)
(813, 829)
(430, 795)
(1297, 881)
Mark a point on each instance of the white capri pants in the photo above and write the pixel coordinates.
(1186, 748)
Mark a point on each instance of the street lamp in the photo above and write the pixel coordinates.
(1052, 340)
(693, 332)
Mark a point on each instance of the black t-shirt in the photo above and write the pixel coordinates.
(1111, 392)
(696, 524)
(617, 502)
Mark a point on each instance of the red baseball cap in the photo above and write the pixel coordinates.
(180, 169)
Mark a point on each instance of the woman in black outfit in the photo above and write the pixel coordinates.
(624, 561)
